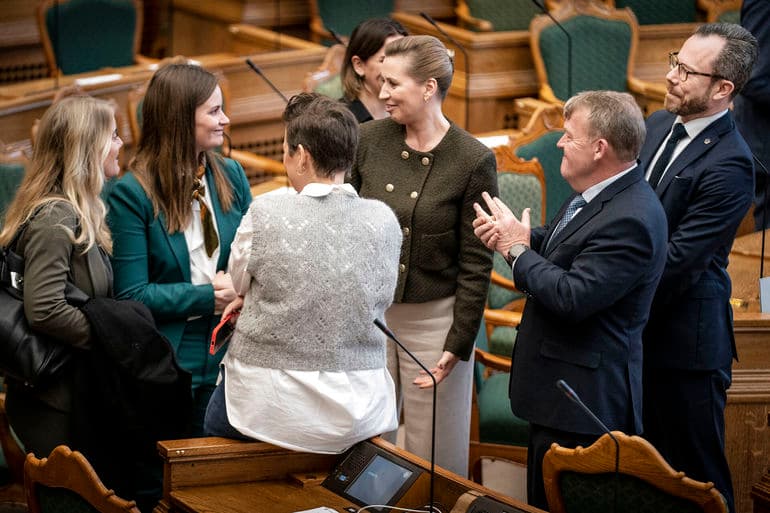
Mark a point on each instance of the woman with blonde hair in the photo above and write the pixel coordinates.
(64, 238)
(174, 215)
(430, 172)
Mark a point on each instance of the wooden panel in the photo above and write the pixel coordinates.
(21, 55)
(760, 492)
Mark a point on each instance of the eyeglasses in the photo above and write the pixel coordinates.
(673, 62)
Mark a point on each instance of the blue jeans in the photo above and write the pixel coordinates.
(215, 422)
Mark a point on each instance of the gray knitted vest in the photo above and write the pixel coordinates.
(323, 268)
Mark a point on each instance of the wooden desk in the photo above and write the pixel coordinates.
(255, 110)
(747, 443)
(226, 476)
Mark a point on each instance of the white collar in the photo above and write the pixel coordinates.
(318, 190)
(698, 125)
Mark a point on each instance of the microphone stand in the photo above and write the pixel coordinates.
(392, 336)
(764, 215)
(258, 71)
(569, 45)
(466, 66)
(572, 396)
(337, 37)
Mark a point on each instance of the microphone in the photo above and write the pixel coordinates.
(572, 396)
(763, 303)
(392, 336)
(441, 31)
(267, 80)
(569, 45)
(337, 37)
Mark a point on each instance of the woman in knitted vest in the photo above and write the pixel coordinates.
(306, 366)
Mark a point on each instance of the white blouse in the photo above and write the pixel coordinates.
(311, 411)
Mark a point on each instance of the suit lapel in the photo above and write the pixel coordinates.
(593, 207)
(178, 245)
(702, 143)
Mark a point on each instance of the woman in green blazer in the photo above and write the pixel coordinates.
(173, 217)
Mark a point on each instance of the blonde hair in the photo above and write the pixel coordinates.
(428, 58)
(73, 140)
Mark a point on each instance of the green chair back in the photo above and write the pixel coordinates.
(652, 12)
(549, 155)
(11, 174)
(589, 493)
(331, 87)
(733, 16)
(497, 423)
(600, 50)
(504, 15)
(62, 500)
(342, 16)
(518, 191)
(91, 34)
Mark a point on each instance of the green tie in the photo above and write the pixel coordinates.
(210, 239)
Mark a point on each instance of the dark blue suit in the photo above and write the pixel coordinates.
(688, 343)
(589, 294)
(752, 106)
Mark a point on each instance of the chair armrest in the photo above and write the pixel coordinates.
(547, 95)
(470, 22)
(501, 281)
(502, 317)
(651, 90)
(487, 359)
(143, 59)
(259, 163)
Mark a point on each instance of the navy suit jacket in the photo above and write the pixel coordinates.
(589, 295)
(705, 192)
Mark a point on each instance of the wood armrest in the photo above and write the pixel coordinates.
(143, 59)
(493, 361)
(465, 18)
(253, 162)
(501, 281)
(650, 90)
(502, 317)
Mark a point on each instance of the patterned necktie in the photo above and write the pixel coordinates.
(660, 166)
(576, 204)
(210, 239)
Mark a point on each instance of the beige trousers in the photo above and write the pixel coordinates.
(422, 328)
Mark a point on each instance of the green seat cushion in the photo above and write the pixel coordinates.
(62, 500)
(557, 190)
(497, 423)
(501, 341)
(331, 88)
(589, 493)
(342, 16)
(652, 12)
(504, 15)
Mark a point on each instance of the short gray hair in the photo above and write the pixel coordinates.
(612, 116)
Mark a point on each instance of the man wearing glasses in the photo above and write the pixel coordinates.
(702, 171)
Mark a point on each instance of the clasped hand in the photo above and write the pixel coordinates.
(500, 229)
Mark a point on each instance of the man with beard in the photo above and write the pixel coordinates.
(701, 169)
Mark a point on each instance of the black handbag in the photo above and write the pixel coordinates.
(25, 355)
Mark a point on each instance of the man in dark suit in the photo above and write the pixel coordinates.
(590, 278)
(705, 181)
(752, 106)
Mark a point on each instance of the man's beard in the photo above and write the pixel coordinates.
(689, 107)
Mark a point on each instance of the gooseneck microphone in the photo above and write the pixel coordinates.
(466, 67)
(267, 80)
(572, 396)
(336, 37)
(569, 45)
(392, 336)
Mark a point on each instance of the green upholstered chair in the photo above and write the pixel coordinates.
(542, 146)
(11, 173)
(496, 433)
(342, 16)
(66, 483)
(728, 11)
(494, 15)
(582, 480)
(521, 186)
(656, 12)
(86, 35)
(604, 43)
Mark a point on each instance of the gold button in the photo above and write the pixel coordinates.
(402, 268)
(406, 231)
(413, 195)
(404, 154)
(425, 161)
(389, 187)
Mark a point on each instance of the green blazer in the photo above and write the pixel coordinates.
(152, 265)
